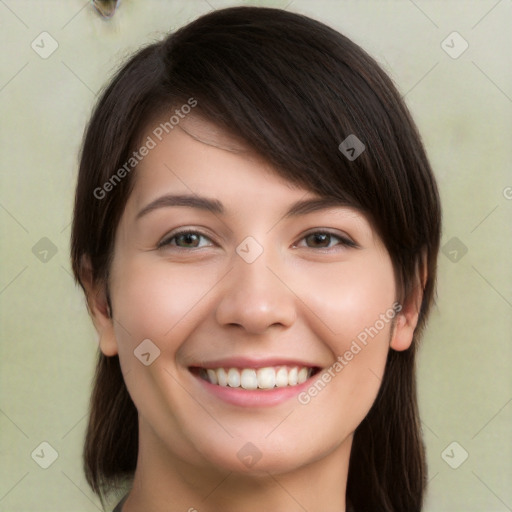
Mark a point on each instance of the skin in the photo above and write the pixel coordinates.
(199, 302)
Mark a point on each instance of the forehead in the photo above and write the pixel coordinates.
(206, 132)
(197, 160)
(199, 156)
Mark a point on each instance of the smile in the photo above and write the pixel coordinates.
(257, 378)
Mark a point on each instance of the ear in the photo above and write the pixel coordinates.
(97, 303)
(407, 317)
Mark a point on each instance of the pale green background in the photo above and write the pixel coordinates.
(464, 111)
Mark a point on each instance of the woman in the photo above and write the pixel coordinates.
(256, 230)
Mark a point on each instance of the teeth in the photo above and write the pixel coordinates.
(222, 377)
(266, 378)
(234, 378)
(282, 378)
(302, 376)
(248, 379)
(260, 378)
(212, 375)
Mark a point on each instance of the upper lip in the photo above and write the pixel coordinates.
(248, 362)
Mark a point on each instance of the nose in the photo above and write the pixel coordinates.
(256, 296)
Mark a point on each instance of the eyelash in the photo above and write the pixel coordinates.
(345, 241)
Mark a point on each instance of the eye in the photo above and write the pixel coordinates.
(324, 239)
(186, 239)
(190, 239)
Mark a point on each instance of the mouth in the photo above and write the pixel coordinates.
(262, 379)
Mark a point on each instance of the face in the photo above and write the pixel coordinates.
(252, 332)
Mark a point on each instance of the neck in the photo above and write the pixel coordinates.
(165, 482)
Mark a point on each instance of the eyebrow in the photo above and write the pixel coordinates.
(301, 207)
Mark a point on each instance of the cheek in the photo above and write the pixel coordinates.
(349, 297)
(163, 303)
(159, 301)
(353, 315)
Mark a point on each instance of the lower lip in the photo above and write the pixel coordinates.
(253, 397)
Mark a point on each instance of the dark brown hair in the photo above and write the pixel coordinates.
(293, 89)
